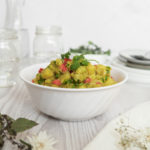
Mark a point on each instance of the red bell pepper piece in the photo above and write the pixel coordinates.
(66, 59)
(88, 80)
(63, 68)
(57, 82)
(40, 70)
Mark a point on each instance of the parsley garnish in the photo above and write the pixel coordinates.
(84, 62)
(78, 61)
(66, 55)
(75, 65)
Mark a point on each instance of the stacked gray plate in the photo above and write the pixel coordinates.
(136, 63)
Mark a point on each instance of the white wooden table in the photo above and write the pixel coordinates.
(70, 135)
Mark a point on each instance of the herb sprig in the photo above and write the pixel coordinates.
(66, 55)
(9, 128)
(91, 48)
(78, 61)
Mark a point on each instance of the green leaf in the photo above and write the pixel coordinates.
(78, 61)
(78, 57)
(75, 66)
(66, 55)
(22, 124)
(84, 63)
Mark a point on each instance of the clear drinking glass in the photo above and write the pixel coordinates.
(8, 57)
(14, 20)
(47, 42)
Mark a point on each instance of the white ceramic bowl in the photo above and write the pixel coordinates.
(71, 104)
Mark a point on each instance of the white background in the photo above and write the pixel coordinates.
(114, 24)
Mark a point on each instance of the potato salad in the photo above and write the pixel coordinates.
(77, 72)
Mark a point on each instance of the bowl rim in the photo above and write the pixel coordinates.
(74, 89)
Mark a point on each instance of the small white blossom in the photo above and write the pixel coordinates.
(132, 138)
(42, 141)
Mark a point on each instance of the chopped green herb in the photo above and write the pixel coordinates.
(68, 65)
(81, 84)
(66, 55)
(103, 80)
(73, 86)
(75, 65)
(57, 75)
(84, 62)
(67, 81)
(41, 80)
(78, 61)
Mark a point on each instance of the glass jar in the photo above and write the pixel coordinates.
(8, 57)
(24, 42)
(47, 42)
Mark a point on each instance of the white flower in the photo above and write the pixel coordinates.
(42, 141)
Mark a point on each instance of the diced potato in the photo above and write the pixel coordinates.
(91, 69)
(65, 76)
(92, 76)
(81, 70)
(48, 81)
(80, 77)
(47, 73)
(59, 62)
(101, 70)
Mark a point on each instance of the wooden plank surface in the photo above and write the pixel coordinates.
(70, 135)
